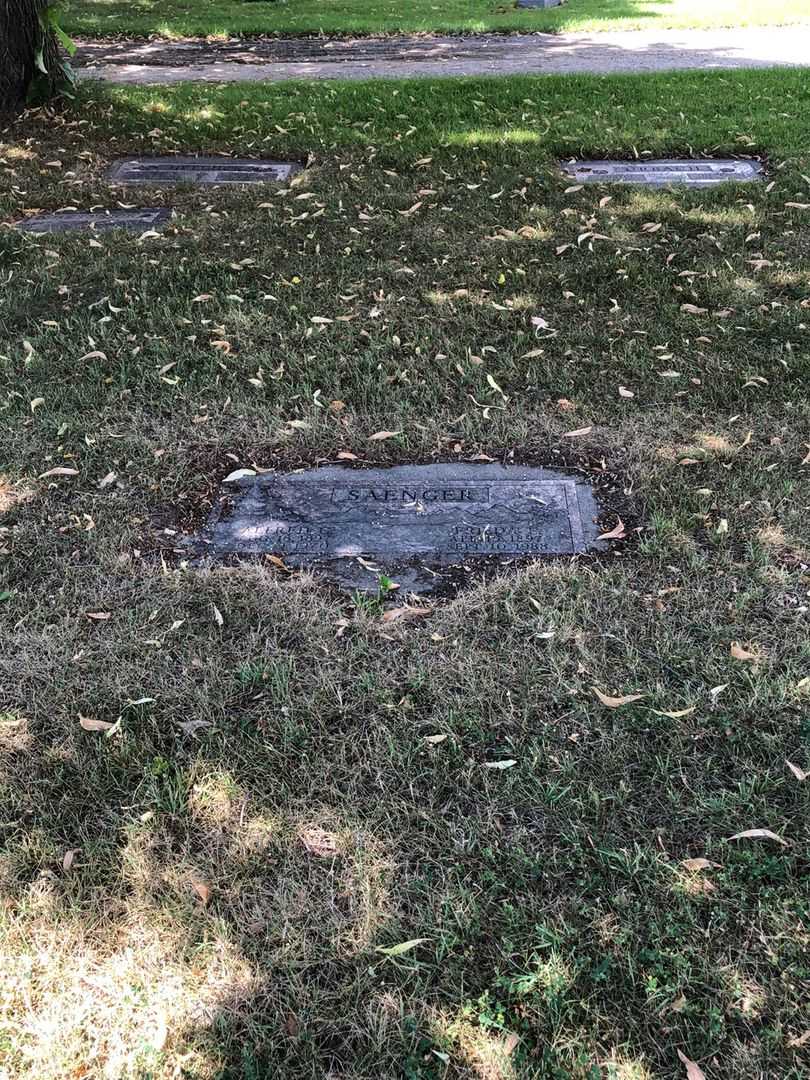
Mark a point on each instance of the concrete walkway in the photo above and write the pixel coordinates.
(271, 60)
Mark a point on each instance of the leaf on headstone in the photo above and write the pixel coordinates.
(693, 1070)
(616, 702)
(238, 474)
(59, 471)
(759, 834)
(800, 774)
(403, 947)
(577, 433)
(380, 435)
(616, 533)
(739, 653)
(506, 763)
(87, 723)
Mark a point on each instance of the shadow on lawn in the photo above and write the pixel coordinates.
(398, 57)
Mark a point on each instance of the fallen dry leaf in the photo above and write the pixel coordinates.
(693, 309)
(507, 763)
(378, 436)
(434, 740)
(759, 834)
(202, 889)
(675, 715)
(615, 702)
(60, 471)
(800, 774)
(511, 1043)
(403, 947)
(344, 455)
(698, 864)
(799, 1040)
(405, 612)
(98, 616)
(693, 1070)
(69, 858)
(238, 474)
(577, 433)
(89, 724)
(739, 653)
(319, 842)
(616, 533)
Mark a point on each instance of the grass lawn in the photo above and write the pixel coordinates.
(184, 17)
(203, 889)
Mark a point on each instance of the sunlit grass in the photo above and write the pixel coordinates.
(175, 18)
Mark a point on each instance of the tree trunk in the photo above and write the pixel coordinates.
(20, 37)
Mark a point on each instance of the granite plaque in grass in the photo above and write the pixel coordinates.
(95, 220)
(414, 523)
(160, 171)
(699, 172)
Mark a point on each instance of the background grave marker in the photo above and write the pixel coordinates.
(200, 170)
(663, 172)
(97, 220)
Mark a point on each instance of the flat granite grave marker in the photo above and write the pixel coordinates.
(414, 523)
(538, 3)
(160, 171)
(96, 220)
(662, 173)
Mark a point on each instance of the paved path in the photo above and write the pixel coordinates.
(271, 60)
